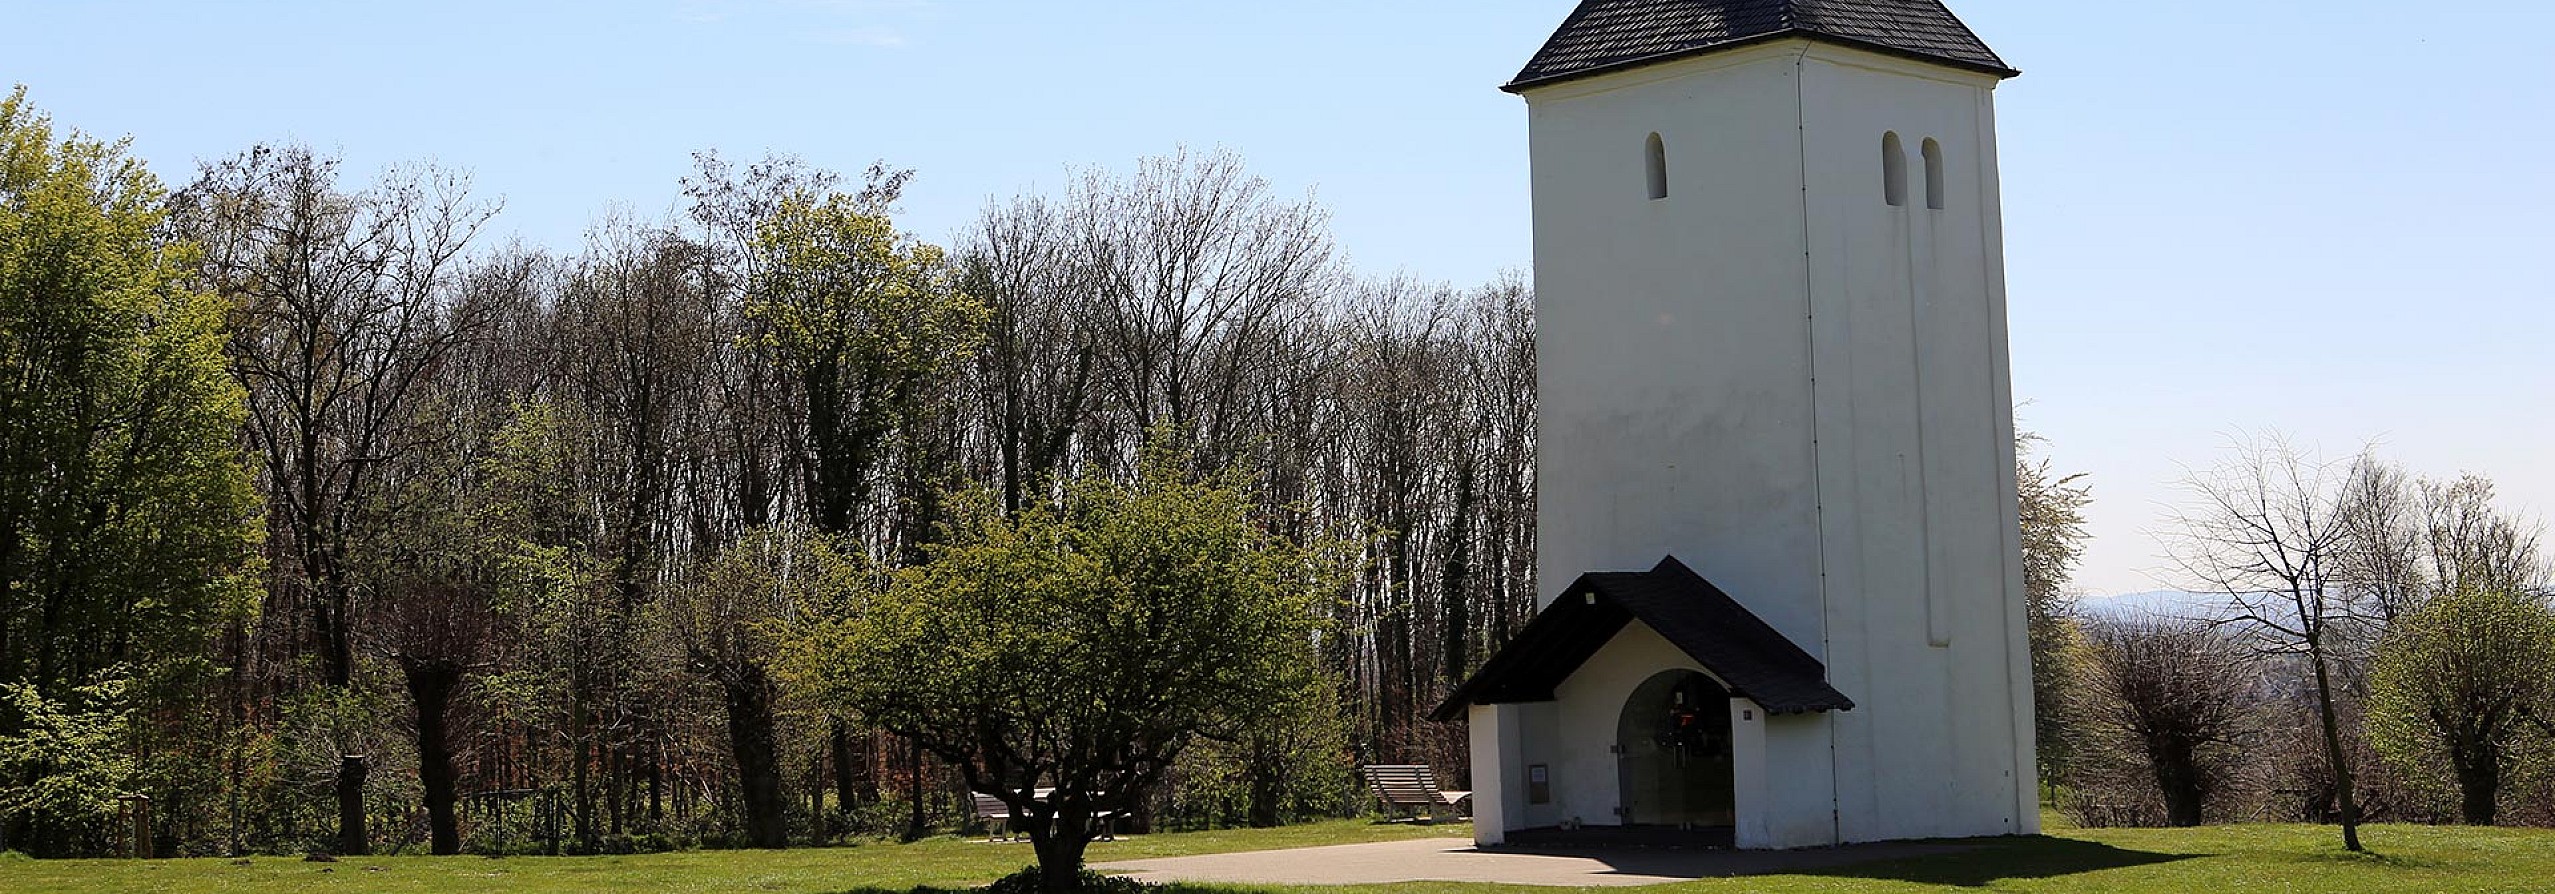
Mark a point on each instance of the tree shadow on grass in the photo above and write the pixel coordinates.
(1989, 861)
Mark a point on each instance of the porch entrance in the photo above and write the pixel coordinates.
(1674, 766)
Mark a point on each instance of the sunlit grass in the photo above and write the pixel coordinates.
(2269, 858)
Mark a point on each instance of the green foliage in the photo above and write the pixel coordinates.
(1290, 764)
(842, 285)
(864, 318)
(2455, 690)
(2052, 508)
(1027, 881)
(1086, 645)
(68, 761)
(126, 516)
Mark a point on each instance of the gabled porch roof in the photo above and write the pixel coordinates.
(1710, 627)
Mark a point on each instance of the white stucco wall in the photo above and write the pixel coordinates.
(1587, 711)
(1498, 753)
(1802, 392)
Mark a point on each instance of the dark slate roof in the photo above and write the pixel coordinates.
(1719, 633)
(1607, 35)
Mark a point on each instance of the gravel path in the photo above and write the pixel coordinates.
(1456, 860)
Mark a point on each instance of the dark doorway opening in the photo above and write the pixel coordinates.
(1674, 761)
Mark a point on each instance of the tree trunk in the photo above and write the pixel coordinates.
(351, 839)
(1268, 789)
(916, 824)
(846, 776)
(2333, 749)
(2479, 787)
(430, 690)
(2179, 778)
(1060, 846)
(758, 761)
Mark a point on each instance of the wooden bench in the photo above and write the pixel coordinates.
(996, 816)
(1410, 789)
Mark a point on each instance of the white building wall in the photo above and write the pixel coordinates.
(1499, 787)
(1588, 711)
(1801, 392)
(1916, 455)
(1673, 354)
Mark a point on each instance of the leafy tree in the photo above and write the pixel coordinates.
(66, 761)
(854, 324)
(2456, 681)
(863, 318)
(2052, 508)
(729, 614)
(126, 515)
(1083, 647)
(1289, 763)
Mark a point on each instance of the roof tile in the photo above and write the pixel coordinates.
(1605, 35)
(1716, 631)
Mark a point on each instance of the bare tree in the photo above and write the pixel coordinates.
(1198, 267)
(1036, 378)
(2177, 692)
(2265, 530)
(346, 307)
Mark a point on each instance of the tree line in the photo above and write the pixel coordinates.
(2359, 643)
(336, 522)
(329, 520)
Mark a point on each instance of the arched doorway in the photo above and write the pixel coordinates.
(1675, 767)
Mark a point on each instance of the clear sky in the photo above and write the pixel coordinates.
(2335, 219)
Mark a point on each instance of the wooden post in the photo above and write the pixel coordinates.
(138, 809)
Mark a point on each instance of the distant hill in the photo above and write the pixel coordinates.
(2165, 603)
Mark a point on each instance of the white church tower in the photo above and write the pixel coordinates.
(1772, 346)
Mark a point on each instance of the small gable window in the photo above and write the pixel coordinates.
(1655, 165)
(1934, 191)
(1893, 170)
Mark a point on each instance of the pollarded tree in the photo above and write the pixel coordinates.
(1082, 648)
(344, 305)
(2178, 694)
(2456, 681)
(727, 613)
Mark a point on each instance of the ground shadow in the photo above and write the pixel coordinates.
(1977, 863)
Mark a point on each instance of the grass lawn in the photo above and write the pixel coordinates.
(2244, 858)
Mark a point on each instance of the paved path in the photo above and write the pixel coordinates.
(1455, 860)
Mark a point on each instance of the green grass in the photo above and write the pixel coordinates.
(2405, 859)
(939, 862)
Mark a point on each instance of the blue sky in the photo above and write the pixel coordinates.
(2335, 219)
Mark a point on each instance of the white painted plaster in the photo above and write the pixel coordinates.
(1802, 392)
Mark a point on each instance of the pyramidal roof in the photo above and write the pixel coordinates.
(1609, 35)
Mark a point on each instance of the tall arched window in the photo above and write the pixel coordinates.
(1655, 162)
(1893, 170)
(1934, 193)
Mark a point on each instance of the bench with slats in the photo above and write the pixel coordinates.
(1410, 790)
(996, 816)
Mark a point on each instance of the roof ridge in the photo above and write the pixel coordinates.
(1601, 36)
(1719, 633)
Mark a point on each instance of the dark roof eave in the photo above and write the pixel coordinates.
(1734, 645)
(1522, 85)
